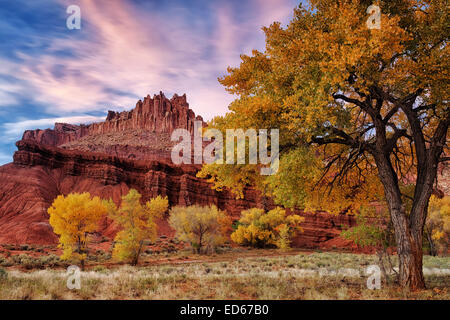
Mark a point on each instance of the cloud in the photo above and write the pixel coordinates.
(123, 53)
(5, 158)
(8, 93)
(9, 90)
(13, 130)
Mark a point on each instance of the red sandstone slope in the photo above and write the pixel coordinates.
(60, 161)
(40, 173)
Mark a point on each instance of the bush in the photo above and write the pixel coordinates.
(3, 274)
(50, 261)
(258, 228)
(6, 262)
(204, 228)
(100, 268)
(27, 261)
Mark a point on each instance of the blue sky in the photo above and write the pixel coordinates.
(123, 51)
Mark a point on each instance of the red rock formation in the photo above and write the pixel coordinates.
(62, 133)
(157, 114)
(41, 173)
(60, 161)
(321, 227)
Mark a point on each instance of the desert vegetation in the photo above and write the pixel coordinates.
(362, 113)
(437, 226)
(205, 235)
(236, 274)
(205, 228)
(137, 224)
(73, 218)
(259, 229)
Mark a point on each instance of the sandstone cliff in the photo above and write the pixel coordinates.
(141, 133)
(129, 149)
(40, 173)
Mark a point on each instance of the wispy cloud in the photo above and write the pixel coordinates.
(5, 158)
(124, 51)
(144, 52)
(13, 130)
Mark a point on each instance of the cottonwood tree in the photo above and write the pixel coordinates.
(73, 218)
(259, 228)
(137, 222)
(204, 227)
(362, 112)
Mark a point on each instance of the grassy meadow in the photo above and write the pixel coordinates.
(233, 274)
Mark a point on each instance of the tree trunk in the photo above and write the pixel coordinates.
(408, 240)
(433, 251)
(200, 244)
(136, 258)
(410, 261)
(409, 251)
(380, 254)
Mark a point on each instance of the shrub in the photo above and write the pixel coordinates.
(3, 274)
(50, 260)
(204, 228)
(374, 230)
(30, 262)
(101, 269)
(258, 228)
(6, 262)
(27, 261)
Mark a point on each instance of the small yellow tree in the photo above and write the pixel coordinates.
(203, 227)
(137, 223)
(437, 226)
(257, 228)
(73, 218)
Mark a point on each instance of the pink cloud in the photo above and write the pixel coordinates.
(142, 53)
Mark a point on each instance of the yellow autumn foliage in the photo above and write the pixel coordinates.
(438, 222)
(362, 113)
(73, 218)
(204, 228)
(137, 222)
(258, 228)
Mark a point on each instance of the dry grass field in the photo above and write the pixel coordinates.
(235, 274)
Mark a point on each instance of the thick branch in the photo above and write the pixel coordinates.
(367, 108)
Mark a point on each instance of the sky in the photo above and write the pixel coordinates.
(124, 50)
